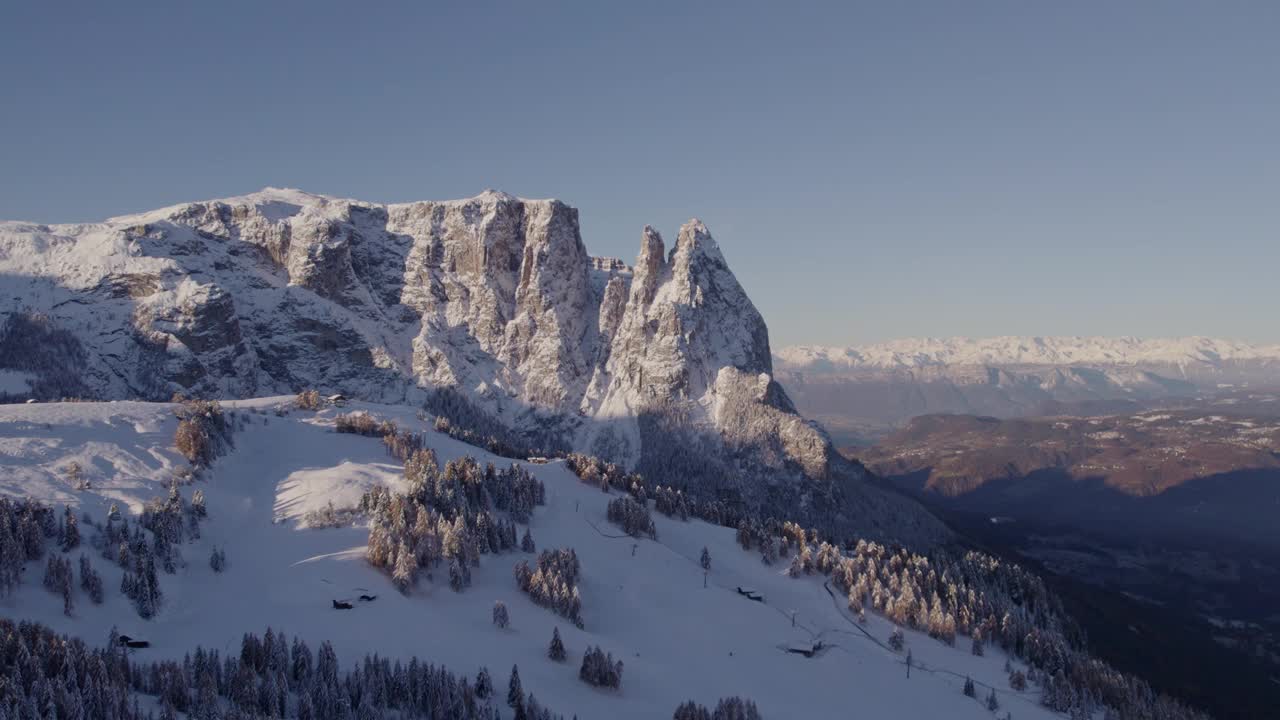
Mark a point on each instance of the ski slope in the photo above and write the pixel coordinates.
(643, 601)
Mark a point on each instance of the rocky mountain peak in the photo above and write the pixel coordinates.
(493, 298)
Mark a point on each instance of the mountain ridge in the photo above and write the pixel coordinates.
(1023, 350)
(663, 366)
(861, 393)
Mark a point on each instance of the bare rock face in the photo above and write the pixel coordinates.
(493, 297)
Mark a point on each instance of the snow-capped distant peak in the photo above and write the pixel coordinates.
(1015, 350)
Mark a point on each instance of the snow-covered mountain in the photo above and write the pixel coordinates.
(861, 392)
(912, 353)
(664, 366)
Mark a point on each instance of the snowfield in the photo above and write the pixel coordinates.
(643, 601)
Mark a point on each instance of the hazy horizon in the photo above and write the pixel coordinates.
(871, 172)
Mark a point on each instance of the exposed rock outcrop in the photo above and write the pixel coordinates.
(494, 297)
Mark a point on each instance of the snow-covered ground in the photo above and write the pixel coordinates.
(643, 601)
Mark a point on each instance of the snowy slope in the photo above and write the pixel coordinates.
(678, 639)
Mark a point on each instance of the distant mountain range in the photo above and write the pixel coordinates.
(1192, 353)
(862, 392)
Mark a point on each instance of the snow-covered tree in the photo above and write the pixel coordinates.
(198, 508)
(70, 530)
(406, 568)
(632, 517)
(90, 580)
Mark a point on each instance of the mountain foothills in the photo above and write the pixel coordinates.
(1205, 475)
(861, 393)
(488, 308)
(1157, 527)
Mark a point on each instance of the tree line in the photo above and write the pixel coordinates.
(46, 675)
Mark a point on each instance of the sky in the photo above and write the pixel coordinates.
(870, 170)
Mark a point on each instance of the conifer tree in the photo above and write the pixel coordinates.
(406, 568)
(515, 693)
(484, 684)
(218, 560)
(90, 580)
(556, 651)
(70, 530)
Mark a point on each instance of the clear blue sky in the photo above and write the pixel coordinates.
(871, 170)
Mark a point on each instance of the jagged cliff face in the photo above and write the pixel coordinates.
(493, 296)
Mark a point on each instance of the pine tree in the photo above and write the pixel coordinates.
(70, 530)
(515, 693)
(705, 560)
(969, 689)
(690, 710)
(993, 703)
(66, 591)
(526, 542)
(500, 617)
(90, 580)
(556, 651)
(218, 560)
(459, 574)
(484, 684)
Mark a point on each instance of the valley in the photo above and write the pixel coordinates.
(1161, 520)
